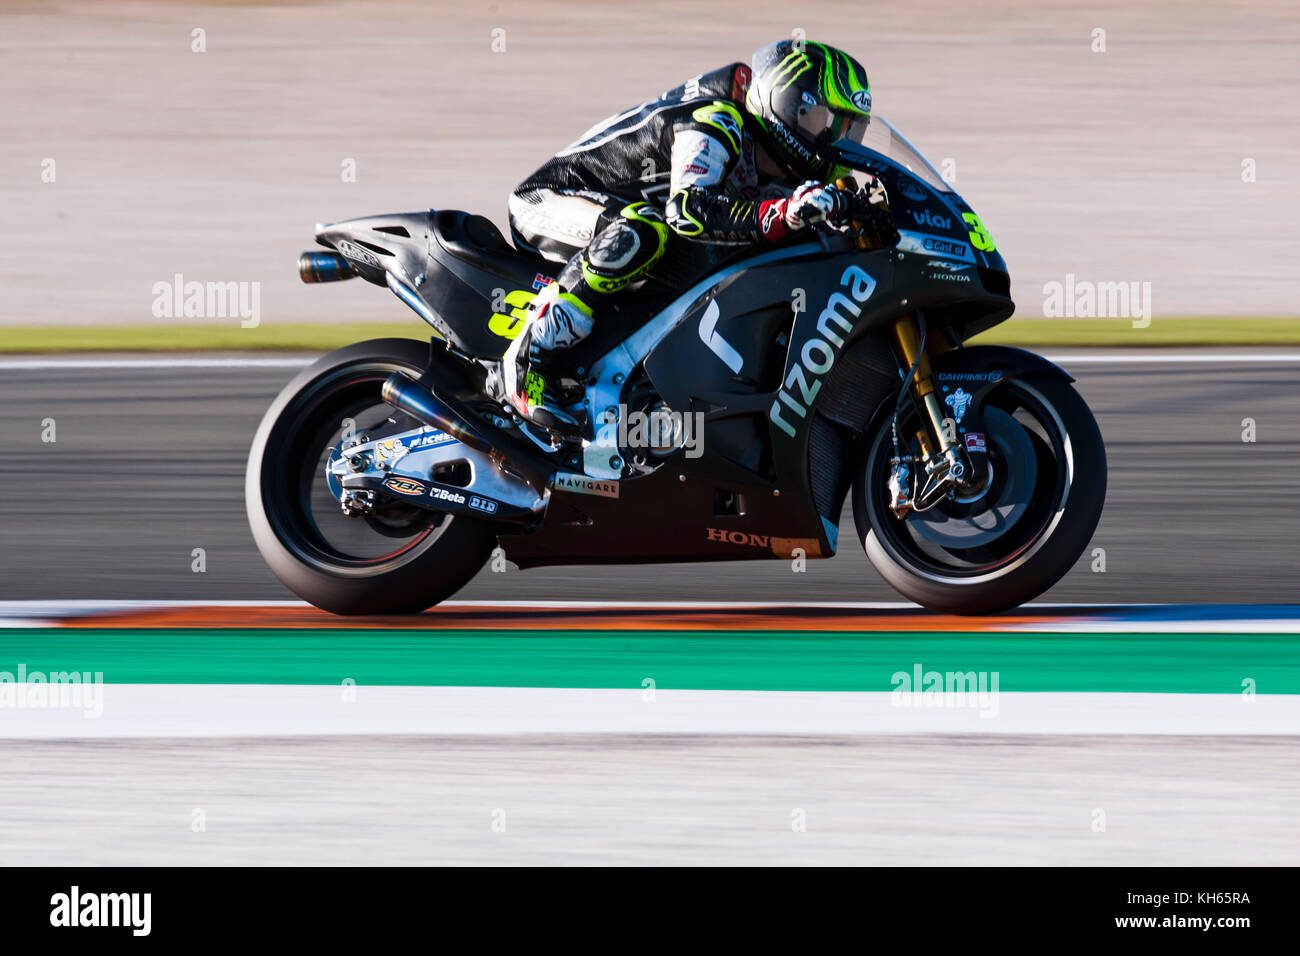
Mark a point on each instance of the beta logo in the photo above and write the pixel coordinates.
(443, 494)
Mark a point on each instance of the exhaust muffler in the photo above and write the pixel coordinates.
(407, 395)
(416, 399)
(324, 267)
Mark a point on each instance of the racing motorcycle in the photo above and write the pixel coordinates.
(725, 416)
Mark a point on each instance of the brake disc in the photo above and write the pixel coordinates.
(1010, 493)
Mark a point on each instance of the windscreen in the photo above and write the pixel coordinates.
(883, 137)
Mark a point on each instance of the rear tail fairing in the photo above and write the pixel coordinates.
(455, 270)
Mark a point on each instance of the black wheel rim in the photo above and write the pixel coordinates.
(302, 512)
(1052, 468)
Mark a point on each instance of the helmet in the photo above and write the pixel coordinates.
(806, 96)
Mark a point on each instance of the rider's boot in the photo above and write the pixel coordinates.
(534, 378)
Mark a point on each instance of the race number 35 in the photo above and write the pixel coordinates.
(979, 236)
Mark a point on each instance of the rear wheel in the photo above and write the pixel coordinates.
(399, 559)
(1022, 533)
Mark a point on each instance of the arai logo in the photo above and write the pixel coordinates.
(861, 99)
(819, 353)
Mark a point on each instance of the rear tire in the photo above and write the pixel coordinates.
(1032, 565)
(443, 554)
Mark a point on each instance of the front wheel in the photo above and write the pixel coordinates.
(397, 560)
(1034, 517)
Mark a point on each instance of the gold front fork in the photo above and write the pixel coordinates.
(908, 336)
(946, 468)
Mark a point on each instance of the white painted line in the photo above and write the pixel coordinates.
(1137, 357)
(256, 710)
(1173, 358)
(82, 606)
(15, 365)
(1138, 626)
(1076, 618)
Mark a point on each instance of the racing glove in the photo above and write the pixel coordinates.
(811, 203)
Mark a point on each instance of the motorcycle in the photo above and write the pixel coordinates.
(727, 419)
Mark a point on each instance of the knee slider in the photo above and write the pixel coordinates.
(625, 249)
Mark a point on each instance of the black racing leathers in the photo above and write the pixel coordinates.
(690, 152)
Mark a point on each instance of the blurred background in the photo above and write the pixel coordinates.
(1116, 142)
(1114, 155)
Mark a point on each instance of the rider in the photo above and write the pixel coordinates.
(735, 156)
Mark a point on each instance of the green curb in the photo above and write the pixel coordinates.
(786, 661)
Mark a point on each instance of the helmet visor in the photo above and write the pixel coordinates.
(821, 125)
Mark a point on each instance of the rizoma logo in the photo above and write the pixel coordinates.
(819, 353)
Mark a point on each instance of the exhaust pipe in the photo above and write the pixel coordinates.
(415, 399)
(324, 267)
(407, 395)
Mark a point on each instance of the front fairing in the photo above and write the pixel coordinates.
(932, 219)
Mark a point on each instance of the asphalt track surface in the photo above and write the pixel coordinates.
(148, 465)
(899, 801)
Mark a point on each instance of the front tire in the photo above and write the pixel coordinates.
(1026, 546)
(398, 563)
